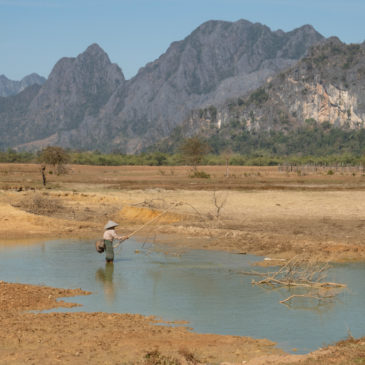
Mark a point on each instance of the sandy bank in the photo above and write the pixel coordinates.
(102, 338)
(279, 224)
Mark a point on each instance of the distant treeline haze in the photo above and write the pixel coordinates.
(314, 145)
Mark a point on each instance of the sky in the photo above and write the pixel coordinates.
(35, 34)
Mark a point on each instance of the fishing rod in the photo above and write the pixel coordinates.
(149, 222)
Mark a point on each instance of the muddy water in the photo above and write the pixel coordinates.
(201, 287)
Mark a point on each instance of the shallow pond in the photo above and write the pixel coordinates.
(202, 287)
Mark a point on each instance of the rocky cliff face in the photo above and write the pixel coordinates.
(10, 87)
(76, 90)
(217, 61)
(86, 103)
(328, 85)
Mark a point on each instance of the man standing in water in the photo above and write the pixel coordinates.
(109, 236)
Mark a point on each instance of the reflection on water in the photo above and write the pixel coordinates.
(201, 287)
(105, 276)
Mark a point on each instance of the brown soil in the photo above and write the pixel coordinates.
(102, 338)
(257, 210)
(275, 223)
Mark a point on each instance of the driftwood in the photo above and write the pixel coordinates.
(300, 272)
(319, 297)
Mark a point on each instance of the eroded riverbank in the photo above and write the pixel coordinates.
(279, 224)
(95, 338)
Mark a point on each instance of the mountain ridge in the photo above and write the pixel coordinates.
(325, 87)
(10, 87)
(86, 101)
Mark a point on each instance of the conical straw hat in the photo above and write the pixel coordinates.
(110, 224)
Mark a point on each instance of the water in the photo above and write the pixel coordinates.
(201, 287)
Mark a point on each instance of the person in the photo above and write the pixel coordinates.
(109, 236)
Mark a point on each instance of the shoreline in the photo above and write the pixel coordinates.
(28, 337)
(142, 334)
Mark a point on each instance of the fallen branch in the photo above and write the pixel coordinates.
(319, 297)
(300, 272)
(307, 284)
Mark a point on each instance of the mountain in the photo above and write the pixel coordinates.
(326, 87)
(75, 90)
(86, 103)
(10, 87)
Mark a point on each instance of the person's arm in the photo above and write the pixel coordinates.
(119, 238)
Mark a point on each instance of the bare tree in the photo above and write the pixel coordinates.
(219, 201)
(227, 154)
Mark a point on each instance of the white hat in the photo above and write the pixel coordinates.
(110, 224)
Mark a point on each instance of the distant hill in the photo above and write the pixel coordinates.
(325, 87)
(86, 103)
(75, 91)
(10, 87)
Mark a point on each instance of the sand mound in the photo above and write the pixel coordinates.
(143, 215)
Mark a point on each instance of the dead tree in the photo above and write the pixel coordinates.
(219, 202)
(301, 272)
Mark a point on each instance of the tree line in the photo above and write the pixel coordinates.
(312, 144)
(193, 158)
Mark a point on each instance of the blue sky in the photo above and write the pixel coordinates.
(35, 34)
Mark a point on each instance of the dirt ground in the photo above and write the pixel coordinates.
(277, 214)
(102, 338)
(255, 210)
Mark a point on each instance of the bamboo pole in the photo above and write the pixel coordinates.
(149, 222)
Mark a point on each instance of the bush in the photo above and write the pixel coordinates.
(156, 358)
(39, 204)
(200, 175)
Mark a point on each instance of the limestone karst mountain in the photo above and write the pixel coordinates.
(10, 87)
(86, 103)
(76, 90)
(326, 86)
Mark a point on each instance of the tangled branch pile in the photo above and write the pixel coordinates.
(302, 272)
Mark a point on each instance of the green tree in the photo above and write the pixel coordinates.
(53, 156)
(193, 150)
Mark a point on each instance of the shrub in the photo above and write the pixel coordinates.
(39, 204)
(199, 174)
(156, 358)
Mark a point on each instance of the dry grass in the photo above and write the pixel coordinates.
(40, 204)
(26, 176)
(156, 358)
(347, 352)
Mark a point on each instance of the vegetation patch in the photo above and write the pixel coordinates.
(199, 174)
(40, 204)
(156, 358)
